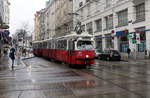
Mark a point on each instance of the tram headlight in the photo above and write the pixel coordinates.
(87, 56)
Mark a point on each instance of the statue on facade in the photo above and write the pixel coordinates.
(78, 28)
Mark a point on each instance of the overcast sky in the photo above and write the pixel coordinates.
(22, 11)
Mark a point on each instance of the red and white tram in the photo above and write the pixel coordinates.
(74, 49)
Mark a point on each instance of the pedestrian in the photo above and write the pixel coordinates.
(24, 52)
(128, 51)
(12, 56)
(18, 55)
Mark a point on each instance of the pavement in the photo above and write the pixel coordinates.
(39, 78)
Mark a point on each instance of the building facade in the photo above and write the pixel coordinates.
(4, 19)
(42, 24)
(37, 28)
(117, 24)
(4, 11)
(50, 19)
(64, 19)
(55, 20)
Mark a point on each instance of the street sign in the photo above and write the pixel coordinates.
(131, 35)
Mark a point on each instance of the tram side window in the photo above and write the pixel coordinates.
(45, 45)
(71, 45)
(65, 44)
(62, 44)
(33, 46)
(49, 45)
(40, 45)
(56, 44)
(53, 46)
(36, 45)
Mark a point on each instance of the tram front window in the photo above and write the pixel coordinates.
(85, 45)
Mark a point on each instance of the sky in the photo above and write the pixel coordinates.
(22, 11)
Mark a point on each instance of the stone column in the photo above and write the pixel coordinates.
(0, 51)
(115, 24)
(147, 7)
(104, 42)
(103, 39)
(131, 19)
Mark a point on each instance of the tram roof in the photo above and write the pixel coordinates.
(74, 35)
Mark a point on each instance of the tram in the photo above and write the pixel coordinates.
(74, 49)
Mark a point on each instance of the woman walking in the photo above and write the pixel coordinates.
(12, 56)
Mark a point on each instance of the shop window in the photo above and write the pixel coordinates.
(142, 46)
(99, 44)
(109, 43)
(124, 43)
(124, 46)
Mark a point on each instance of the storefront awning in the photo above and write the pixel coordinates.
(119, 33)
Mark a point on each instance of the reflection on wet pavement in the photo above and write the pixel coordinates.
(44, 79)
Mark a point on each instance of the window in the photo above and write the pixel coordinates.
(123, 18)
(109, 22)
(140, 12)
(62, 44)
(88, 10)
(98, 25)
(89, 28)
(84, 45)
(83, 28)
(124, 43)
(87, 0)
(108, 3)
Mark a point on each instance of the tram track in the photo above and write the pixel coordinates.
(121, 71)
(107, 80)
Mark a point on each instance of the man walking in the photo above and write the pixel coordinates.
(12, 56)
(128, 51)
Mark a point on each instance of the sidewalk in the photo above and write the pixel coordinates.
(6, 63)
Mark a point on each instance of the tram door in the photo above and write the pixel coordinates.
(71, 51)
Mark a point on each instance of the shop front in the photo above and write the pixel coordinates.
(109, 41)
(123, 41)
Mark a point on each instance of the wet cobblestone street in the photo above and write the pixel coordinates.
(40, 78)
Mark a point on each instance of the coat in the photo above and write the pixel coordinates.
(12, 53)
